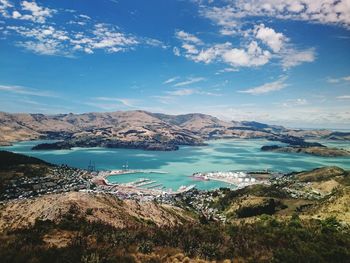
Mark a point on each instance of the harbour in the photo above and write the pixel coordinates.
(175, 169)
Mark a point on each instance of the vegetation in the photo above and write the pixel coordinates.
(263, 235)
(8, 160)
(13, 166)
(266, 240)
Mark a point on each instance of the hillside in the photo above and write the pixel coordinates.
(10, 160)
(98, 227)
(137, 129)
(94, 207)
(313, 150)
(310, 208)
(319, 193)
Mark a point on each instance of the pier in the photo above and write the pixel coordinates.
(142, 188)
(155, 186)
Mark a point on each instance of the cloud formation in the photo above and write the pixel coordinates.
(260, 45)
(267, 87)
(171, 80)
(26, 91)
(344, 97)
(187, 92)
(331, 12)
(188, 82)
(33, 12)
(270, 37)
(338, 80)
(39, 32)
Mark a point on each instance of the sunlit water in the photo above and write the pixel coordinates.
(219, 155)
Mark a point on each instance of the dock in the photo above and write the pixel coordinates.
(154, 186)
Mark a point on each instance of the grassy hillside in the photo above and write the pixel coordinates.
(10, 160)
(15, 166)
(266, 240)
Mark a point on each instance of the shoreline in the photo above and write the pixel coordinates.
(238, 179)
(205, 142)
(103, 175)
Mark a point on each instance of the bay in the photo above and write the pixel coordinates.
(219, 155)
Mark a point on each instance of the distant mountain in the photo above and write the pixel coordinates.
(135, 129)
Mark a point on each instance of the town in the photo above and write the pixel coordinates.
(57, 179)
(239, 179)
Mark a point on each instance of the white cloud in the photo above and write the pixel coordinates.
(226, 70)
(266, 88)
(26, 91)
(171, 80)
(182, 92)
(187, 92)
(84, 16)
(232, 17)
(189, 81)
(187, 37)
(338, 80)
(225, 17)
(302, 116)
(210, 54)
(16, 14)
(154, 43)
(176, 51)
(45, 40)
(252, 53)
(295, 102)
(190, 49)
(292, 58)
(34, 12)
(4, 6)
(320, 11)
(48, 40)
(344, 97)
(47, 47)
(164, 99)
(252, 56)
(79, 34)
(270, 37)
(126, 102)
(109, 38)
(333, 80)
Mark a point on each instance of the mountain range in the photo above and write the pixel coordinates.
(140, 129)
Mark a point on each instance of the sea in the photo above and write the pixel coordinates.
(178, 166)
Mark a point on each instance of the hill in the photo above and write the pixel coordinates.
(253, 224)
(94, 207)
(9, 160)
(137, 129)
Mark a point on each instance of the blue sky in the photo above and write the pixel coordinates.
(283, 62)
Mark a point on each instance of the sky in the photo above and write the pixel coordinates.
(283, 62)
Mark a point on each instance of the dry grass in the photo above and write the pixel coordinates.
(95, 207)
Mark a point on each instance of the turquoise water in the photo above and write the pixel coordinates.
(219, 155)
